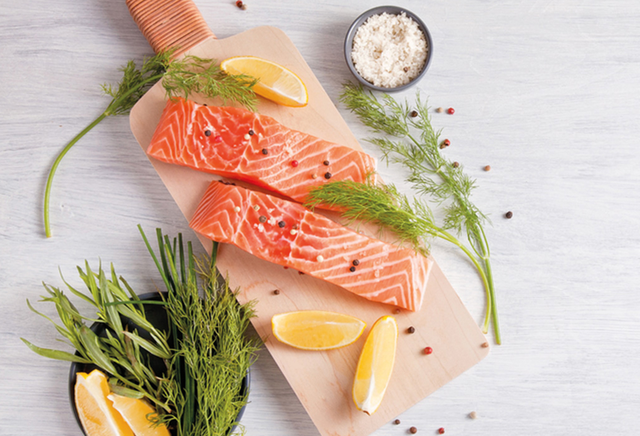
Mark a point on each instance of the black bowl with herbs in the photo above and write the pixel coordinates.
(383, 69)
(156, 314)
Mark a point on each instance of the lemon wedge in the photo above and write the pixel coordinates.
(97, 415)
(375, 365)
(136, 413)
(316, 329)
(275, 82)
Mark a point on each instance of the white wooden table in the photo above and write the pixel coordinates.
(546, 92)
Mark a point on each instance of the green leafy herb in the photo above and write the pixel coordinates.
(118, 352)
(429, 172)
(213, 353)
(184, 76)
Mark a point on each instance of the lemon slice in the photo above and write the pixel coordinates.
(375, 365)
(275, 82)
(316, 329)
(136, 413)
(97, 415)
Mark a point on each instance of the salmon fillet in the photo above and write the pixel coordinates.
(244, 145)
(290, 235)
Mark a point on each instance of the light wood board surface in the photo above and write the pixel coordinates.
(322, 381)
(546, 92)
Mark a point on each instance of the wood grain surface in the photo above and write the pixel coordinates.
(545, 92)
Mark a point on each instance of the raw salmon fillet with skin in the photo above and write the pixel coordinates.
(218, 140)
(297, 238)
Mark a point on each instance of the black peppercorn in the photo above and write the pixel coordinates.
(413, 430)
(262, 219)
(411, 329)
(508, 215)
(326, 162)
(352, 269)
(396, 422)
(456, 164)
(207, 133)
(327, 175)
(276, 292)
(251, 132)
(281, 224)
(356, 262)
(413, 114)
(265, 151)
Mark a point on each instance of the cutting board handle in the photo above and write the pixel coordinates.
(170, 24)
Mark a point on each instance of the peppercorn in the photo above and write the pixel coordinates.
(397, 311)
(447, 142)
(294, 163)
(301, 273)
(396, 422)
(411, 330)
(405, 69)
(413, 114)
(485, 345)
(473, 415)
(262, 219)
(265, 151)
(276, 292)
(326, 162)
(440, 110)
(508, 215)
(441, 430)
(207, 133)
(451, 111)
(356, 262)
(251, 132)
(243, 7)
(456, 164)
(327, 175)
(239, 4)
(352, 269)
(413, 430)
(428, 350)
(281, 224)
(487, 168)
(442, 146)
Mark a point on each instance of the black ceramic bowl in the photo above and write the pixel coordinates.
(394, 10)
(157, 315)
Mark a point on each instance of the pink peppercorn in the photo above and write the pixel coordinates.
(428, 350)
(451, 111)
(441, 430)
(294, 163)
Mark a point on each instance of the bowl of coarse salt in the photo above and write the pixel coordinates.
(388, 48)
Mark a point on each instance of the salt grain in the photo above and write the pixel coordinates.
(389, 50)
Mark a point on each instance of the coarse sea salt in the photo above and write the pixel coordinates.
(389, 50)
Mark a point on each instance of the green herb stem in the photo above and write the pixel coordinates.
(54, 167)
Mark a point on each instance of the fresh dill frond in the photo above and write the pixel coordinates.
(212, 350)
(430, 173)
(183, 77)
(192, 74)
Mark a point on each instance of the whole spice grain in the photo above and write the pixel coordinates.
(251, 132)
(411, 330)
(262, 219)
(451, 111)
(265, 151)
(327, 175)
(352, 269)
(397, 311)
(413, 114)
(508, 215)
(326, 162)
(281, 224)
(396, 422)
(473, 415)
(207, 133)
(441, 430)
(485, 345)
(294, 163)
(456, 164)
(487, 168)
(276, 292)
(446, 142)
(428, 350)
(413, 430)
(440, 110)
(356, 262)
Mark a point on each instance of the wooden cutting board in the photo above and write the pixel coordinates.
(321, 380)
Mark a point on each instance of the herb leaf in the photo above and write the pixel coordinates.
(429, 173)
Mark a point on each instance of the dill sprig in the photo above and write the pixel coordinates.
(120, 351)
(192, 74)
(212, 351)
(184, 76)
(430, 174)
